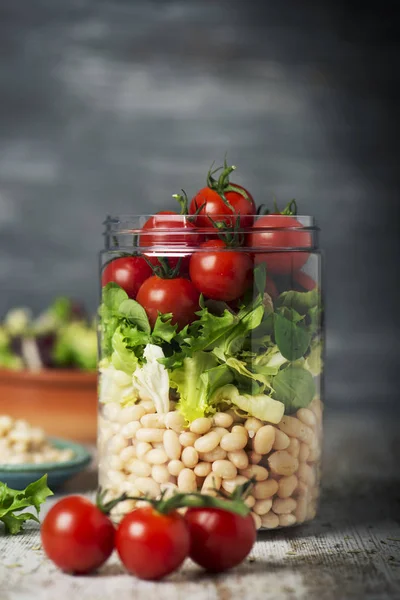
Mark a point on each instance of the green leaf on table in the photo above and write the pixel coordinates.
(291, 336)
(12, 501)
(294, 386)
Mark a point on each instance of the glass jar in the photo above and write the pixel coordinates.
(210, 361)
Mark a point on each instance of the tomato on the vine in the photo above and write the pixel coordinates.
(219, 272)
(77, 536)
(277, 232)
(176, 295)
(219, 539)
(152, 544)
(304, 281)
(222, 201)
(129, 272)
(168, 230)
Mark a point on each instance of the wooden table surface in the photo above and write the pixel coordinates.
(352, 549)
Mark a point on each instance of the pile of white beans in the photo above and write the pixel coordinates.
(21, 443)
(144, 453)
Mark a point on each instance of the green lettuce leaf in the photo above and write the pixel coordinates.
(302, 302)
(123, 358)
(314, 362)
(291, 335)
(260, 406)
(13, 501)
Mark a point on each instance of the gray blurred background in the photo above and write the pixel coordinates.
(112, 106)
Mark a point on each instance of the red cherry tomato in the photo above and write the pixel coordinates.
(304, 280)
(129, 272)
(279, 262)
(221, 273)
(163, 230)
(177, 296)
(271, 288)
(150, 544)
(213, 205)
(77, 536)
(219, 539)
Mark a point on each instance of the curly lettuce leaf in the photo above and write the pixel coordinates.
(123, 358)
(192, 387)
(14, 501)
(314, 362)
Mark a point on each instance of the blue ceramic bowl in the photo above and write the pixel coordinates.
(19, 476)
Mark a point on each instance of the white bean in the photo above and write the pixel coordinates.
(301, 509)
(117, 443)
(230, 485)
(307, 474)
(255, 457)
(304, 452)
(129, 430)
(260, 473)
(175, 467)
(236, 418)
(286, 520)
(187, 481)
(284, 506)
(174, 420)
(211, 483)
(160, 474)
(138, 467)
(295, 428)
(115, 460)
(142, 448)
(111, 411)
(216, 454)
(282, 441)
(234, 441)
(153, 420)
(283, 463)
(190, 457)
(169, 488)
(171, 444)
(252, 425)
(307, 417)
(224, 468)
(265, 489)
(149, 435)
(131, 413)
(270, 520)
(239, 459)
(201, 425)
(294, 447)
(262, 507)
(207, 442)
(220, 430)
(264, 439)
(156, 457)
(302, 489)
(287, 485)
(221, 419)
(250, 501)
(188, 438)
(202, 469)
(115, 477)
(148, 486)
(257, 520)
(127, 454)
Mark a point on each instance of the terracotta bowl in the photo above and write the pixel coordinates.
(63, 403)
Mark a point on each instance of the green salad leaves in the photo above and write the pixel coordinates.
(263, 356)
(12, 502)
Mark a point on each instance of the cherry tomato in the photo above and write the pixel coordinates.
(220, 273)
(304, 280)
(213, 205)
(219, 539)
(77, 536)
(271, 288)
(129, 272)
(177, 296)
(150, 544)
(279, 262)
(157, 232)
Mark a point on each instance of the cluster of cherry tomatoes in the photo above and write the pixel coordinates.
(79, 537)
(220, 217)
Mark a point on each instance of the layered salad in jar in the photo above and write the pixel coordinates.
(211, 355)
